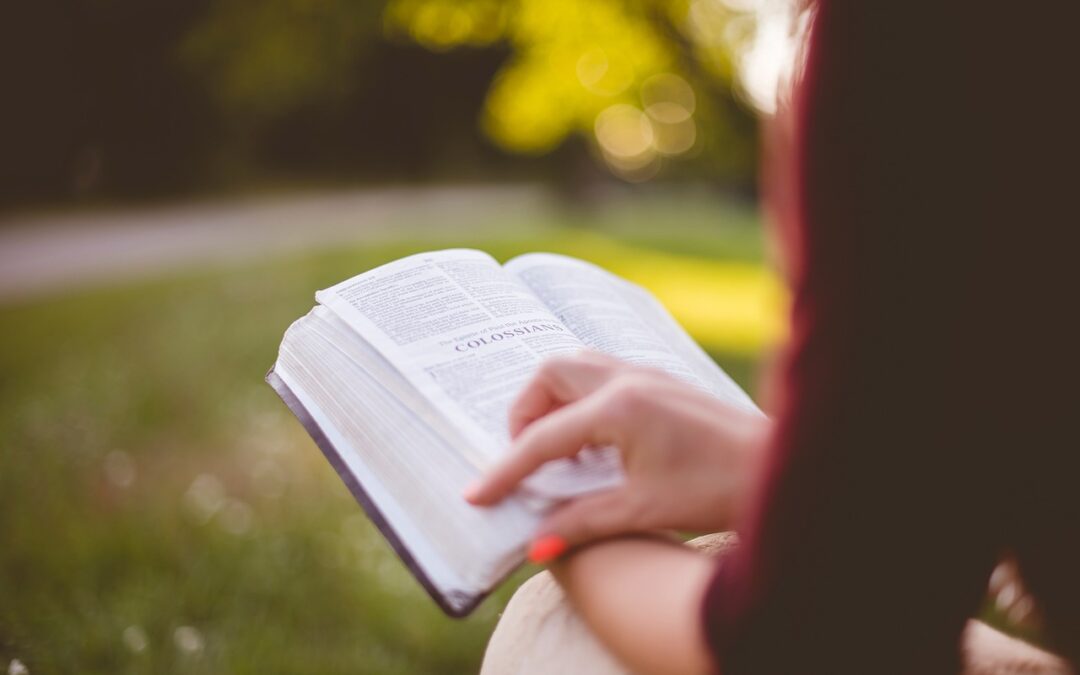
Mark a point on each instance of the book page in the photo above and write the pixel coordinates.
(467, 335)
(614, 316)
(385, 431)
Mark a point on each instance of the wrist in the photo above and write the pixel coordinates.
(592, 555)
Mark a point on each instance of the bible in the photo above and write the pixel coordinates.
(404, 375)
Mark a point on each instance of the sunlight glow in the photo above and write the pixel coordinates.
(727, 306)
(578, 66)
(768, 65)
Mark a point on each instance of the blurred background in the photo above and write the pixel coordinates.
(177, 178)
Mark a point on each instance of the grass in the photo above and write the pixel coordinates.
(160, 510)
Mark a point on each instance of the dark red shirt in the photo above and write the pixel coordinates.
(929, 415)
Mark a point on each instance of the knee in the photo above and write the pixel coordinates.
(539, 632)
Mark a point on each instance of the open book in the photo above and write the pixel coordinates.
(404, 375)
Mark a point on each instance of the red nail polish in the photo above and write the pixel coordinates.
(546, 548)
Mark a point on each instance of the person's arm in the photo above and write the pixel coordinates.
(687, 457)
(641, 596)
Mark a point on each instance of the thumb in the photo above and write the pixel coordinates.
(585, 519)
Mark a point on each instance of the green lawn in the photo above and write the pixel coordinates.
(161, 512)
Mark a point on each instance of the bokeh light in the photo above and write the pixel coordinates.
(576, 64)
(668, 98)
(625, 133)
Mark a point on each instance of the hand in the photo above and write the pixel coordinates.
(687, 456)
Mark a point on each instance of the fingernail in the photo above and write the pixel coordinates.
(471, 491)
(546, 548)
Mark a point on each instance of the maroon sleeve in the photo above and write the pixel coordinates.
(881, 512)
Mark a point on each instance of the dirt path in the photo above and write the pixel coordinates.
(50, 253)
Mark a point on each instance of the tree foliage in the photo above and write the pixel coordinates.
(642, 80)
(127, 98)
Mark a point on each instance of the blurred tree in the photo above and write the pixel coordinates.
(263, 59)
(93, 99)
(312, 90)
(642, 80)
(130, 98)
